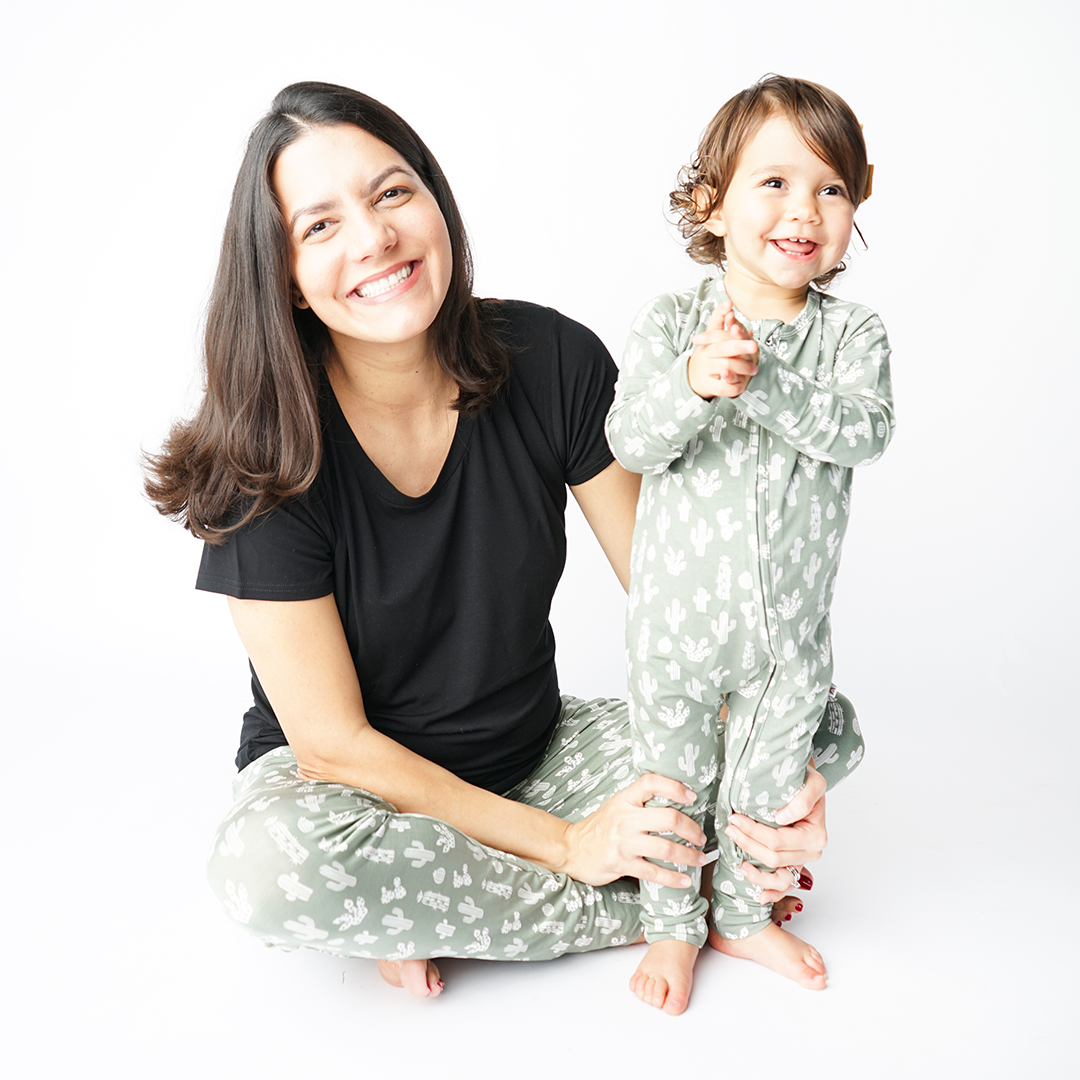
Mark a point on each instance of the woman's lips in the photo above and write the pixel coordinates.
(377, 286)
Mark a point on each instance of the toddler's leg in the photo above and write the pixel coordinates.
(838, 743)
(675, 735)
(768, 740)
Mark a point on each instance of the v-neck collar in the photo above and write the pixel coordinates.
(340, 430)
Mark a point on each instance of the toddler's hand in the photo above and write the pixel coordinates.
(725, 358)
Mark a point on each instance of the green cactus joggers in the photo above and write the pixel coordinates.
(336, 869)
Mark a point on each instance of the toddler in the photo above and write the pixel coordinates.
(746, 402)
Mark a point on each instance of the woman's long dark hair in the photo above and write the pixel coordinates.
(256, 437)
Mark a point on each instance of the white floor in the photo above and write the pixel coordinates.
(941, 909)
(961, 994)
(943, 905)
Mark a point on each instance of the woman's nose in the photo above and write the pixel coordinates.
(369, 236)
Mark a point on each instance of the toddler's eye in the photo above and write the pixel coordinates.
(834, 189)
(774, 182)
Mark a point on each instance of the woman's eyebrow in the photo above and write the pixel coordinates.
(314, 208)
(331, 204)
(370, 189)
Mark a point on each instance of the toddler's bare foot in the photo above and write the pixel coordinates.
(419, 977)
(778, 950)
(665, 975)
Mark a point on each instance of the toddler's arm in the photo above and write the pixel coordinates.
(846, 418)
(656, 411)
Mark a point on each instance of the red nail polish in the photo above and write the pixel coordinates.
(806, 881)
(798, 907)
(787, 918)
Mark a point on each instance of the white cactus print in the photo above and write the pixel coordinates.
(675, 562)
(674, 716)
(700, 536)
(663, 523)
(735, 455)
(236, 902)
(757, 506)
(696, 651)
(705, 485)
(693, 448)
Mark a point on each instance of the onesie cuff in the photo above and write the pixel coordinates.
(681, 378)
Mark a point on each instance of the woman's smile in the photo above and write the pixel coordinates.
(374, 287)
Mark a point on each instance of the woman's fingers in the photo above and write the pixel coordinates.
(662, 875)
(660, 819)
(804, 802)
(654, 786)
(774, 884)
(618, 839)
(791, 846)
(664, 819)
(640, 826)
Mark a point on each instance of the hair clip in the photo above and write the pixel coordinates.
(869, 182)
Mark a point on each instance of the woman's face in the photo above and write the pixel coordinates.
(370, 251)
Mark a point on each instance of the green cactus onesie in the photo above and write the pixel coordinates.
(742, 512)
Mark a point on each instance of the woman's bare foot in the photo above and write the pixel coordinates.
(419, 977)
(778, 950)
(665, 975)
(784, 908)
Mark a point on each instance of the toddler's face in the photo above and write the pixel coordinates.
(786, 217)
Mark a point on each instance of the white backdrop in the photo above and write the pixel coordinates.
(939, 907)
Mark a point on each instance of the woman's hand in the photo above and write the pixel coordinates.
(801, 838)
(616, 840)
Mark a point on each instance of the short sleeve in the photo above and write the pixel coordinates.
(586, 375)
(285, 554)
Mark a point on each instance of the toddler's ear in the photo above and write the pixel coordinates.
(708, 213)
(714, 223)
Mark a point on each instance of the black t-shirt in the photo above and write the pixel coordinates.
(444, 598)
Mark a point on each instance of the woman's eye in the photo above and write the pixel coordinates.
(315, 229)
(394, 193)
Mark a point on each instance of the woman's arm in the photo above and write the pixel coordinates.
(299, 651)
(609, 503)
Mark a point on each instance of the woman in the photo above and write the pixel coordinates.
(379, 468)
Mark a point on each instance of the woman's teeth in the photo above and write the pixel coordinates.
(375, 288)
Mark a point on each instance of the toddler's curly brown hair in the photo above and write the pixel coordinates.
(822, 118)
